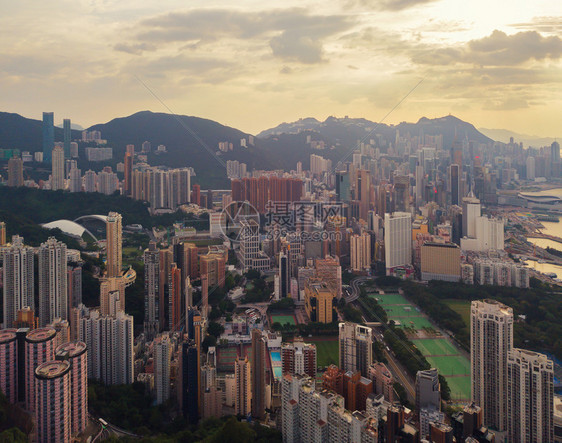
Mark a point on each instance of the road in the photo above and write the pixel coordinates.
(355, 290)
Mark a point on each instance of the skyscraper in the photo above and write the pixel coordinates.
(363, 192)
(174, 298)
(491, 340)
(455, 184)
(356, 347)
(189, 381)
(128, 172)
(67, 136)
(112, 295)
(258, 374)
(39, 348)
(75, 353)
(151, 290)
(471, 210)
(555, 152)
(53, 411)
(18, 278)
(75, 180)
(114, 244)
(53, 292)
(48, 136)
(57, 174)
(284, 275)
(428, 392)
(243, 386)
(9, 364)
(15, 172)
(360, 251)
(162, 351)
(397, 240)
(530, 399)
(298, 358)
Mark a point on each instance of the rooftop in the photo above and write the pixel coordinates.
(52, 369)
(40, 335)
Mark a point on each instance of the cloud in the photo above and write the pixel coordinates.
(292, 34)
(542, 24)
(392, 5)
(135, 49)
(497, 49)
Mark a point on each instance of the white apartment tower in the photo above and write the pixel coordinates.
(356, 347)
(530, 398)
(161, 354)
(53, 294)
(491, 340)
(18, 278)
(397, 239)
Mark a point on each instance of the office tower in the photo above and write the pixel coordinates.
(48, 136)
(73, 150)
(258, 374)
(298, 358)
(530, 168)
(75, 180)
(90, 180)
(420, 176)
(428, 391)
(57, 167)
(530, 398)
(2, 233)
(363, 192)
(343, 186)
(194, 334)
(39, 348)
(383, 380)
(9, 364)
(455, 184)
(162, 351)
(53, 411)
(360, 251)
(189, 381)
(53, 292)
(356, 347)
(491, 340)
(128, 172)
(318, 301)
(196, 195)
(397, 240)
(112, 295)
(440, 261)
(110, 346)
(18, 279)
(114, 244)
(67, 136)
(284, 275)
(204, 296)
(249, 253)
(75, 353)
(243, 386)
(174, 298)
(401, 193)
(166, 260)
(15, 172)
(151, 260)
(74, 285)
(470, 212)
(555, 152)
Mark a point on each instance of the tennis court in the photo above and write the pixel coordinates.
(390, 299)
(401, 311)
(435, 346)
(412, 322)
(283, 320)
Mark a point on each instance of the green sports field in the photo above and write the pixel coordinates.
(462, 307)
(412, 322)
(327, 350)
(435, 346)
(390, 299)
(460, 388)
(283, 319)
(450, 365)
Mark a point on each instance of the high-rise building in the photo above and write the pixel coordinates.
(258, 374)
(110, 346)
(2, 233)
(383, 380)
(15, 172)
(555, 152)
(75, 353)
(213, 266)
(298, 358)
(491, 340)
(356, 347)
(53, 291)
(243, 383)
(90, 181)
(9, 364)
(75, 180)
(174, 298)
(162, 351)
(284, 275)
(318, 301)
(53, 406)
(530, 399)
(18, 279)
(74, 286)
(401, 193)
(189, 381)
(48, 135)
(39, 348)
(455, 184)
(397, 240)
(151, 291)
(112, 295)
(440, 261)
(57, 168)
(428, 391)
(360, 251)
(114, 244)
(530, 168)
(471, 210)
(128, 172)
(67, 136)
(363, 192)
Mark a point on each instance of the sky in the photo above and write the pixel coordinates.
(254, 64)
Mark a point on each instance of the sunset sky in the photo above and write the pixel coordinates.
(252, 65)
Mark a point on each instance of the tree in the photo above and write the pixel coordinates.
(215, 329)
(233, 432)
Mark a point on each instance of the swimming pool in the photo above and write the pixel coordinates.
(278, 372)
(275, 356)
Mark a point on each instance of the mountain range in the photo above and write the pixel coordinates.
(193, 141)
